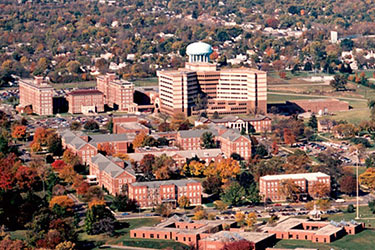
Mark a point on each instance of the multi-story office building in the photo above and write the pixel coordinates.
(228, 91)
(85, 101)
(152, 193)
(270, 185)
(118, 94)
(38, 94)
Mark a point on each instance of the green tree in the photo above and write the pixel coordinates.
(339, 82)
(208, 140)
(234, 194)
(54, 144)
(313, 122)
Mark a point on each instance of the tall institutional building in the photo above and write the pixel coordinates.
(118, 94)
(228, 91)
(38, 94)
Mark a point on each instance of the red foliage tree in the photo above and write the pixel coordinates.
(347, 184)
(7, 171)
(19, 132)
(272, 22)
(289, 137)
(58, 165)
(26, 177)
(239, 245)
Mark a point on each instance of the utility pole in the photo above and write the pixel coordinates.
(357, 210)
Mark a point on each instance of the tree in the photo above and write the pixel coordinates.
(19, 132)
(368, 178)
(99, 219)
(208, 140)
(239, 245)
(220, 205)
(61, 200)
(234, 194)
(91, 125)
(138, 140)
(70, 158)
(194, 168)
(225, 169)
(54, 144)
(75, 125)
(183, 202)
(347, 184)
(58, 165)
(350, 208)
(212, 185)
(164, 209)
(289, 189)
(251, 219)
(313, 122)
(289, 137)
(338, 82)
(180, 122)
(199, 213)
(215, 115)
(371, 106)
(240, 219)
(320, 190)
(122, 203)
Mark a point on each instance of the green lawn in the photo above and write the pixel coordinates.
(274, 98)
(152, 81)
(363, 241)
(121, 234)
(88, 84)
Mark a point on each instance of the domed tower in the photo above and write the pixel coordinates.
(199, 52)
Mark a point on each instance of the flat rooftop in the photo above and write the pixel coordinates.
(307, 176)
(227, 236)
(34, 83)
(85, 92)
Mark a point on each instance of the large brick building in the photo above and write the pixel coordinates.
(270, 185)
(152, 193)
(259, 123)
(118, 94)
(111, 173)
(228, 91)
(202, 234)
(229, 140)
(85, 101)
(36, 93)
(87, 146)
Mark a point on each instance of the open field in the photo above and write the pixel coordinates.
(89, 84)
(363, 241)
(152, 81)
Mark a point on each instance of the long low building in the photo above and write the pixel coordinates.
(319, 106)
(315, 231)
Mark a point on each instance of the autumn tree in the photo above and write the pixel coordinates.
(289, 189)
(180, 122)
(138, 140)
(19, 132)
(75, 126)
(251, 219)
(70, 158)
(320, 190)
(91, 125)
(367, 178)
(199, 213)
(225, 169)
(289, 137)
(240, 219)
(339, 82)
(164, 209)
(220, 205)
(239, 245)
(183, 202)
(194, 168)
(347, 184)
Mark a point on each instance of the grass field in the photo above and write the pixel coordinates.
(363, 241)
(121, 234)
(152, 81)
(89, 84)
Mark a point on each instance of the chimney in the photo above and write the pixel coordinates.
(38, 80)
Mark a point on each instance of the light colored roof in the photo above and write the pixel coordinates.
(73, 139)
(203, 153)
(287, 224)
(328, 230)
(110, 167)
(198, 48)
(232, 135)
(194, 133)
(156, 184)
(307, 176)
(225, 236)
(94, 139)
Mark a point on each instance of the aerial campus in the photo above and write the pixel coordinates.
(187, 125)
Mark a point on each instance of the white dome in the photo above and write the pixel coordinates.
(198, 48)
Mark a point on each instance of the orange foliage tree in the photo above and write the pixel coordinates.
(138, 140)
(225, 169)
(19, 132)
(61, 200)
(320, 190)
(106, 148)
